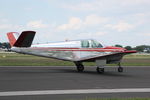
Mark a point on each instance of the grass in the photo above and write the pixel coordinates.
(136, 60)
(13, 59)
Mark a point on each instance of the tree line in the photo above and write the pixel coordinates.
(140, 48)
(5, 45)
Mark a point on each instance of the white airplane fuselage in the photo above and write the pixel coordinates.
(70, 51)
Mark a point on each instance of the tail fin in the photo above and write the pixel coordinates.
(24, 40)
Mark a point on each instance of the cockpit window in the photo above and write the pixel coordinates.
(95, 44)
(85, 44)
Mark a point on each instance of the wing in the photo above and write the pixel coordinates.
(112, 56)
(77, 56)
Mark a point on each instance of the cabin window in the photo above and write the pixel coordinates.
(85, 44)
(95, 44)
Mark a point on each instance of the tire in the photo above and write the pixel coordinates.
(100, 70)
(120, 69)
(80, 68)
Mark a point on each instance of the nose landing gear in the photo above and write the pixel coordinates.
(120, 69)
(100, 70)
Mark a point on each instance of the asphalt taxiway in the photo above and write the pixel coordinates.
(64, 83)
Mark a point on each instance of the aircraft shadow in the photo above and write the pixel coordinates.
(107, 73)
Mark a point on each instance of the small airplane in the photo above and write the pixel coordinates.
(78, 51)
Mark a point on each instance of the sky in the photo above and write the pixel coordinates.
(125, 22)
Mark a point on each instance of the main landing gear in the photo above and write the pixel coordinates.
(101, 70)
(80, 67)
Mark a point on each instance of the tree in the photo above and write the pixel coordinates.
(128, 47)
(142, 48)
(0, 45)
(6, 45)
(117, 45)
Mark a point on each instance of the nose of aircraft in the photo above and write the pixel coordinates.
(121, 49)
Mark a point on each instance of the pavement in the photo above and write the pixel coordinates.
(65, 83)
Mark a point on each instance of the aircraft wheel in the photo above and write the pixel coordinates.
(80, 68)
(100, 70)
(120, 69)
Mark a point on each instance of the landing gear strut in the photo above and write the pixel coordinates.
(80, 67)
(100, 70)
(120, 69)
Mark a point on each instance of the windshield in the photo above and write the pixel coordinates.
(95, 44)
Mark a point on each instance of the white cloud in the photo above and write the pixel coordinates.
(90, 35)
(5, 26)
(9, 27)
(100, 33)
(3, 20)
(75, 23)
(141, 18)
(82, 6)
(135, 2)
(94, 20)
(121, 26)
(146, 34)
(37, 24)
(100, 5)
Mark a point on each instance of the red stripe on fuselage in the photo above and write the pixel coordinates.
(78, 49)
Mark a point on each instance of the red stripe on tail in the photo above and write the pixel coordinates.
(11, 38)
